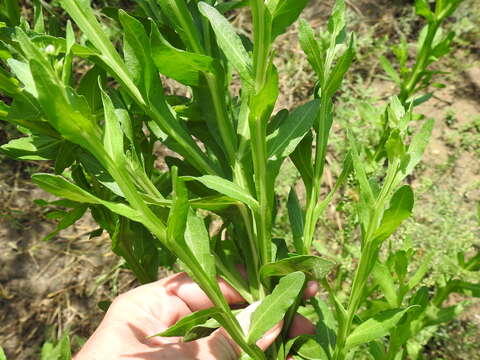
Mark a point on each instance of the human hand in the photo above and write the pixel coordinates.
(149, 309)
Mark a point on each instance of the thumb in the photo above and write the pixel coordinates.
(221, 346)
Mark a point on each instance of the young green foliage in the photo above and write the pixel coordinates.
(102, 130)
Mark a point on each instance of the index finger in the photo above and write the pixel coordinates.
(183, 287)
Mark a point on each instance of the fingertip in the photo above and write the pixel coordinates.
(270, 336)
(301, 326)
(311, 289)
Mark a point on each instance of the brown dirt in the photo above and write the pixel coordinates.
(49, 287)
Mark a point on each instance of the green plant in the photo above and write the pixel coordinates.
(102, 131)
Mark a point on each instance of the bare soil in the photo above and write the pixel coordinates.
(47, 288)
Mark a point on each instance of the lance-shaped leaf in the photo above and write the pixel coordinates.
(84, 17)
(68, 220)
(311, 48)
(274, 306)
(12, 10)
(360, 173)
(313, 266)
(376, 327)
(178, 14)
(190, 321)
(285, 14)
(337, 21)
(113, 135)
(198, 241)
(229, 42)
(383, 277)
(422, 8)
(401, 206)
(137, 54)
(23, 73)
(283, 141)
(297, 220)
(340, 69)
(63, 188)
(302, 158)
(228, 188)
(418, 145)
(177, 218)
(183, 66)
(65, 111)
(35, 147)
(346, 170)
(308, 347)
(388, 68)
(231, 5)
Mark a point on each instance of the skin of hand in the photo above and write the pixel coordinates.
(134, 316)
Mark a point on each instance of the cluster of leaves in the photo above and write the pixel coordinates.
(102, 131)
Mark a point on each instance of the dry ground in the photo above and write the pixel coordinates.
(47, 288)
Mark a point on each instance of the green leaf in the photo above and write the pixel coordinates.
(340, 69)
(228, 188)
(285, 14)
(12, 11)
(377, 350)
(68, 220)
(231, 5)
(229, 42)
(422, 8)
(60, 187)
(309, 348)
(113, 135)
(418, 145)
(137, 54)
(388, 68)
(190, 321)
(183, 66)
(2, 354)
(89, 87)
(442, 315)
(84, 17)
(73, 121)
(179, 15)
(296, 217)
(376, 327)
(274, 306)
(283, 141)
(311, 48)
(401, 206)
(337, 21)
(68, 59)
(177, 218)
(35, 147)
(66, 155)
(313, 266)
(394, 146)
(360, 173)
(198, 241)
(384, 279)
(23, 73)
(302, 158)
(38, 23)
(65, 352)
(346, 170)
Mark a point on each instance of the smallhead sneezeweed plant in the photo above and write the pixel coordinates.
(101, 131)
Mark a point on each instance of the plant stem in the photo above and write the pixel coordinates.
(156, 226)
(421, 64)
(323, 130)
(258, 130)
(367, 260)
